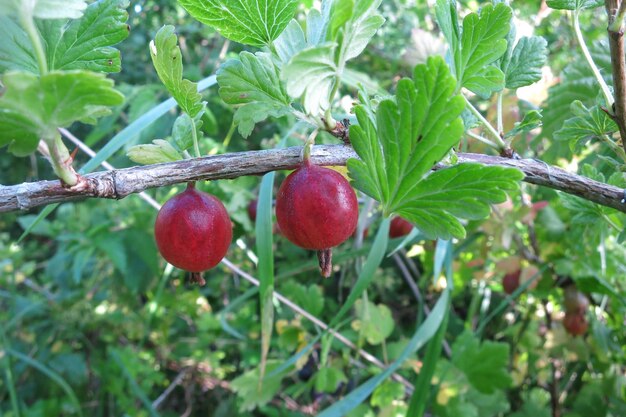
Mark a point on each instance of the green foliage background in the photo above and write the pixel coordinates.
(93, 322)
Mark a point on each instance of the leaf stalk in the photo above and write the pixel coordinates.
(26, 19)
(594, 68)
(499, 142)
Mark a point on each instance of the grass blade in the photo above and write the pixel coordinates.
(264, 245)
(421, 394)
(374, 258)
(50, 374)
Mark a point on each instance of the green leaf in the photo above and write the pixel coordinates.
(312, 74)
(247, 387)
(328, 379)
(167, 61)
(44, 9)
(87, 43)
(586, 125)
(16, 50)
(574, 4)
(359, 29)
(251, 22)
(340, 14)
(310, 298)
(532, 120)
(32, 107)
(480, 44)
(386, 393)
(535, 403)
(159, 151)
(485, 364)
(577, 83)
(253, 83)
(182, 132)
(524, 66)
(409, 136)
(291, 41)
(375, 321)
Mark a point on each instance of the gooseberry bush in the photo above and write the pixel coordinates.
(340, 208)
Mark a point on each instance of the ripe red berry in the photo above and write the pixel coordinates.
(399, 227)
(510, 282)
(575, 324)
(252, 209)
(316, 208)
(193, 231)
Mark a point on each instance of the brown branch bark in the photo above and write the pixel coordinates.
(618, 64)
(119, 183)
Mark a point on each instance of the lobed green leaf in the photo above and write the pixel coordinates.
(312, 74)
(167, 61)
(526, 61)
(574, 4)
(253, 83)
(44, 9)
(476, 47)
(485, 364)
(587, 124)
(33, 106)
(251, 22)
(87, 43)
(407, 138)
(159, 151)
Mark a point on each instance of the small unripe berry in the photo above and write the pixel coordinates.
(193, 231)
(399, 227)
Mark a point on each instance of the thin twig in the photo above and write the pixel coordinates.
(618, 64)
(157, 403)
(119, 183)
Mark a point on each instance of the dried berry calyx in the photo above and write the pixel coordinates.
(399, 227)
(316, 208)
(193, 231)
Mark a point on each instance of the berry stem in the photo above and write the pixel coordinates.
(306, 151)
(325, 258)
(196, 278)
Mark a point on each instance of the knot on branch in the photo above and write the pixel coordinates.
(103, 186)
(342, 131)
